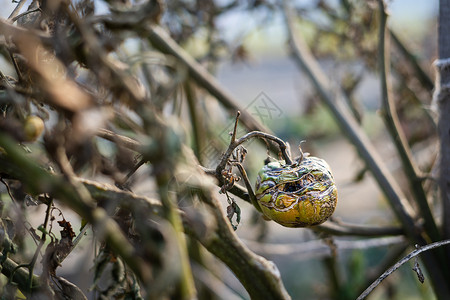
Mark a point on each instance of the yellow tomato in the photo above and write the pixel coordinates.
(300, 195)
(33, 128)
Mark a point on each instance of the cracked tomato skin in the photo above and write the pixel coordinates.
(298, 195)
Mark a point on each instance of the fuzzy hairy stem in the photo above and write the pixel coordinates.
(424, 78)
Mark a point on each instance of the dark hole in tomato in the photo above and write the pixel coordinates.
(291, 187)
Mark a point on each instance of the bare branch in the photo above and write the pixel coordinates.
(346, 229)
(254, 134)
(17, 9)
(399, 264)
(259, 276)
(120, 139)
(397, 134)
(317, 248)
(162, 41)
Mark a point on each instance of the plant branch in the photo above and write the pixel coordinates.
(187, 287)
(163, 42)
(393, 125)
(19, 275)
(259, 276)
(16, 10)
(348, 229)
(250, 193)
(395, 254)
(317, 248)
(399, 264)
(25, 13)
(254, 134)
(120, 139)
(41, 242)
(261, 283)
(424, 79)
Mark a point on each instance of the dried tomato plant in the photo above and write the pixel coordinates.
(104, 119)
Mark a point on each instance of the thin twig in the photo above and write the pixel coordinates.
(17, 9)
(424, 79)
(394, 254)
(139, 164)
(317, 248)
(26, 13)
(233, 136)
(347, 229)
(119, 139)
(41, 242)
(187, 286)
(399, 264)
(75, 242)
(254, 134)
(250, 192)
(332, 269)
(8, 190)
(162, 41)
(214, 283)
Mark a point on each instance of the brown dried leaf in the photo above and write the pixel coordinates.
(67, 232)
